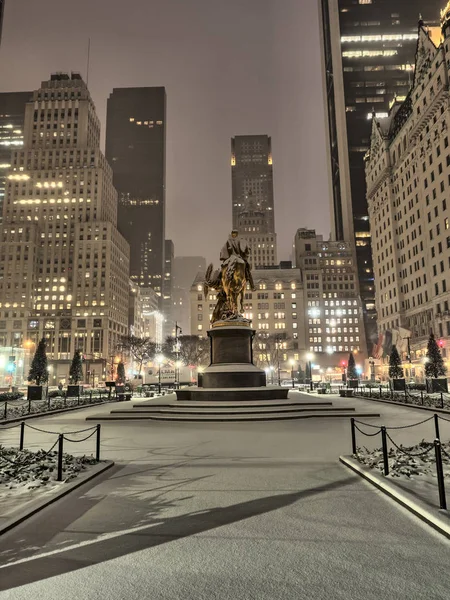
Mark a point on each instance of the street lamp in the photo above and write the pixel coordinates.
(178, 365)
(159, 359)
(292, 363)
(271, 369)
(309, 358)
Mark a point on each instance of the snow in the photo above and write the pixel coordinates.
(405, 465)
(24, 470)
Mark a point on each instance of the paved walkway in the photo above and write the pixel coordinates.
(245, 511)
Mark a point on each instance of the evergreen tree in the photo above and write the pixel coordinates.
(300, 374)
(38, 370)
(307, 372)
(395, 364)
(120, 372)
(351, 367)
(434, 367)
(76, 368)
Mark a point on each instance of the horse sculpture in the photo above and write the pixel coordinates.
(230, 283)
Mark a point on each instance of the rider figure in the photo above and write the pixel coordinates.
(237, 247)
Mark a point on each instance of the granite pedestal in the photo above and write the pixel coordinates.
(231, 374)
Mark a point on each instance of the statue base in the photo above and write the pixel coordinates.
(232, 376)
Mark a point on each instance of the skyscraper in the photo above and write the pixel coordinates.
(63, 264)
(368, 60)
(12, 117)
(136, 151)
(252, 196)
(169, 254)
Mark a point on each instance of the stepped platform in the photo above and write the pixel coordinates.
(217, 411)
(232, 393)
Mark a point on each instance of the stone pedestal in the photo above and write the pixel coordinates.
(232, 358)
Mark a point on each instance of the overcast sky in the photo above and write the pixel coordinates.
(230, 67)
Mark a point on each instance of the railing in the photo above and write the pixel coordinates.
(95, 430)
(407, 396)
(8, 408)
(385, 436)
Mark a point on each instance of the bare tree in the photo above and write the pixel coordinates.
(141, 349)
(193, 351)
(268, 349)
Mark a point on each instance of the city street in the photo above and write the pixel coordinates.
(259, 510)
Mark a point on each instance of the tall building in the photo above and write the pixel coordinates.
(136, 150)
(331, 296)
(64, 267)
(12, 117)
(252, 196)
(185, 270)
(169, 255)
(368, 61)
(408, 185)
(313, 309)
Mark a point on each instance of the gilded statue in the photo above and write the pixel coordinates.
(230, 280)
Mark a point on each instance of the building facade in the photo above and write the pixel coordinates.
(2, 12)
(64, 266)
(408, 183)
(169, 256)
(297, 313)
(368, 49)
(252, 196)
(334, 310)
(12, 118)
(136, 151)
(185, 270)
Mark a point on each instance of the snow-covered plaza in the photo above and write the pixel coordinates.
(208, 511)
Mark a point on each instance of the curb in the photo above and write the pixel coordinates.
(406, 404)
(39, 504)
(52, 412)
(429, 517)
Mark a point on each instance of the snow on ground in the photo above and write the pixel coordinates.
(409, 462)
(23, 471)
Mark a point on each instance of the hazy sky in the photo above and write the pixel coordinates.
(230, 67)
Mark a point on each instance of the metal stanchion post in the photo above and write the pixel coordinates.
(5, 414)
(440, 475)
(97, 448)
(385, 450)
(22, 435)
(352, 421)
(29, 405)
(442, 400)
(380, 393)
(421, 396)
(60, 456)
(436, 426)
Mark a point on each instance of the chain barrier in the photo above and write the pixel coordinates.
(83, 439)
(367, 434)
(4, 428)
(59, 432)
(399, 426)
(444, 419)
(431, 446)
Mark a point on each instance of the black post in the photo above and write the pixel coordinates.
(29, 405)
(310, 377)
(159, 379)
(352, 421)
(78, 396)
(406, 395)
(292, 377)
(380, 393)
(97, 449)
(436, 426)
(60, 456)
(48, 400)
(442, 400)
(440, 475)
(90, 398)
(370, 392)
(22, 435)
(5, 414)
(421, 396)
(385, 450)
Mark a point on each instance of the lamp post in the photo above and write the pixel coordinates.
(271, 369)
(178, 364)
(159, 360)
(177, 352)
(309, 358)
(292, 363)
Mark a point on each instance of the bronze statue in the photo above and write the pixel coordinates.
(230, 281)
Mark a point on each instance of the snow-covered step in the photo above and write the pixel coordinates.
(227, 404)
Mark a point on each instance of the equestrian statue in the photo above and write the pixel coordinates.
(230, 280)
